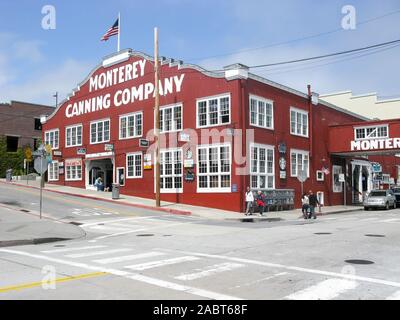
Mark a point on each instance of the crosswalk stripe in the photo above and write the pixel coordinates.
(111, 228)
(211, 270)
(325, 290)
(72, 249)
(91, 223)
(128, 258)
(391, 220)
(161, 263)
(394, 296)
(96, 253)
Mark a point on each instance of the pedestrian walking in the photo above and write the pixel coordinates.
(313, 202)
(260, 199)
(305, 205)
(99, 184)
(249, 202)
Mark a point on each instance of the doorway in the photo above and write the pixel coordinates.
(99, 168)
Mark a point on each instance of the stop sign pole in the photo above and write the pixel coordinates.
(40, 166)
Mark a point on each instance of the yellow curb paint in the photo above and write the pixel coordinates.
(60, 280)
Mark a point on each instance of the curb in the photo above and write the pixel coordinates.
(14, 243)
(141, 206)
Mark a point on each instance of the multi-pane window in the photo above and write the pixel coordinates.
(171, 170)
(261, 113)
(213, 111)
(52, 138)
(130, 126)
(134, 165)
(299, 161)
(298, 122)
(171, 118)
(100, 131)
(53, 171)
(73, 170)
(214, 168)
(262, 167)
(372, 132)
(73, 136)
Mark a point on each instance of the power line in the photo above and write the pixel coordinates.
(293, 40)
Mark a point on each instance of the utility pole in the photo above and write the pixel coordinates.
(157, 116)
(56, 96)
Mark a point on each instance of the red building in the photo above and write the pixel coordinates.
(220, 132)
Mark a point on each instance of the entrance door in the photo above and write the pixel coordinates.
(121, 176)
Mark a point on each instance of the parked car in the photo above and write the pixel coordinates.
(380, 199)
(396, 192)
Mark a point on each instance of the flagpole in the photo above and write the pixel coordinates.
(119, 30)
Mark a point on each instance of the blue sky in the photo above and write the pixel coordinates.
(34, 63)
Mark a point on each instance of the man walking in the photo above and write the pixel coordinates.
(313, 202)
(260, 202)
(249, 201)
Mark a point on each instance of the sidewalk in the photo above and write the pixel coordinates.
(17, 228)
(179, 209)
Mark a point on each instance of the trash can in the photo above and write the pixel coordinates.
(115, 191)
(9, 175)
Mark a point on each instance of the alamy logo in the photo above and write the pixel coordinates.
(49, 20)
(349, 21)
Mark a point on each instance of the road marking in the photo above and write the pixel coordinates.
(72, 249)
(96, 253)
(60, 280)
(130, 257)
(391, 220)
(132, 276)
(161, 263)
(110, 228)
(394, 296)
(325, 290)
(210, 270)
(261, 280)
(112, 221)
(281, 266)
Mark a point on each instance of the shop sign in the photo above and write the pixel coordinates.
(81, 151)
(57, 153)
(234, 188)
(61, 170)
(282, 148)
(189, 163)
(283, 175)
(99, 155)
(73, 162)
(108, 147)
(376, 167)
(147, 164)
(184, 137)
(367, 145)
(144, 143)
(342, 177)
(189, 176)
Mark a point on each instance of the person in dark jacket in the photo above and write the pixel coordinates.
(260, 199)
(313, 202)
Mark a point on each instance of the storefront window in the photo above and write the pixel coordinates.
(73, 170)
(214, 168)
(336, 172)
(53, 171)
(134, 165)
(299, 161)
(171, 170)
(262, 167)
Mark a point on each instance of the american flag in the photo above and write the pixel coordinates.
(112, 31)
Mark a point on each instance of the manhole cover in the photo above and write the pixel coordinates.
(322, 233)
(359, 261)
(145, 235)
(76, 223)
(24, 210)
(375, 235)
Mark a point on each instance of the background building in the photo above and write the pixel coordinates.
(368, 105)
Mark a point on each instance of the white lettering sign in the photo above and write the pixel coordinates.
(124, 96)
(366, 145)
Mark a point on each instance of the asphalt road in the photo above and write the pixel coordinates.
(138, 254)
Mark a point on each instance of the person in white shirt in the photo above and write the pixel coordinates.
(305, 201)
(249, 201)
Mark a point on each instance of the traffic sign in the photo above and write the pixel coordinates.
(40, 165)
(28, 154)
(302, 175)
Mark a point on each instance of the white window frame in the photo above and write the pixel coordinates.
(265, 102)
(54, 175)
(135, 128)
(134, 176)
(76, 178)
(337, 170)
(303, 153)
(303, 113)
(320, 176)
(172, 190)
(219, 173)
(257, 173)
(369, 137)
(76, 138)
(207, 100)
(173, 120)
(52, 143)
(97, 122)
